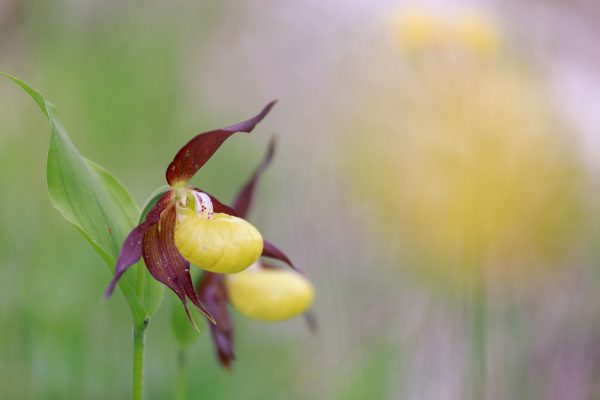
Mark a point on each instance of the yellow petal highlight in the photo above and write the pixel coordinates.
(270, 295)
(223, 244)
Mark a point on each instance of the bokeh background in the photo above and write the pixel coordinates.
(437, 176)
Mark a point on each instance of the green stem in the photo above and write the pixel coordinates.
(139, 334)
(180, 384)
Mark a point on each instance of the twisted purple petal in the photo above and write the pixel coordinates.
(243, 200)
(213, 293)
(131, 251)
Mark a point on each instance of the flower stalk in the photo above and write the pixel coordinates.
(139, 337)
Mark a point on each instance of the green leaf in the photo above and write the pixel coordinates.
(149, 291)
(120, 195)
(96, 203)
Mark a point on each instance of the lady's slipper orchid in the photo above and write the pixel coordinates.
(262, 292)
(189, 225)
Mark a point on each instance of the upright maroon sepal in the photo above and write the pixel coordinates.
(200, 149)
(243, 200)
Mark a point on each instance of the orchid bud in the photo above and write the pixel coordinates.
(216, 242)
(269, 294)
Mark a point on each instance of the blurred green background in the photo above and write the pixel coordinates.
(436, 176)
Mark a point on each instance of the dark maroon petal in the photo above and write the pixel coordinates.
(165, 263)
(200, 149)
(213, 294)
(131, 251)
(271, 251)
(243, 200)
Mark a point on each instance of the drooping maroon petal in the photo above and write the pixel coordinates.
(271, 251)
(200, 149)
(165, 263)
(213, 294)
(131, 250)
(243, 200)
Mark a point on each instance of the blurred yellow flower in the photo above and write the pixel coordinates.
(470, 166)
(477, 31)
(414, 28)
(417, 28)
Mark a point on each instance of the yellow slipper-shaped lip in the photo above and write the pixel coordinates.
(269, 294)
